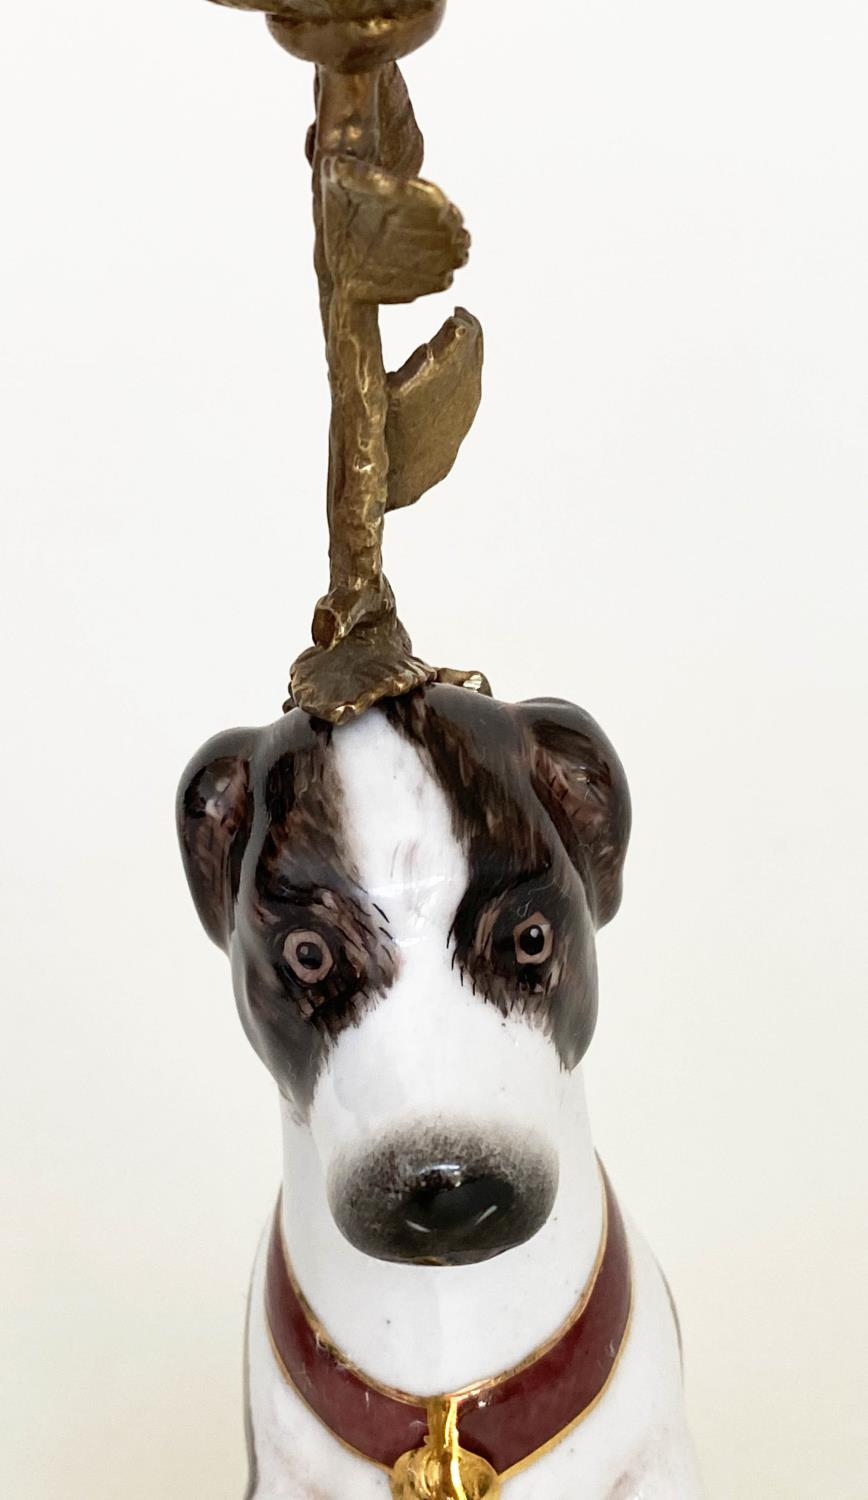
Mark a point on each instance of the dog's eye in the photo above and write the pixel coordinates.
(308, 956)
(534, 940)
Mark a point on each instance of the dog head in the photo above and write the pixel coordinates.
(409, 905)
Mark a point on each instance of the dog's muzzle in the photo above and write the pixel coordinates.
(423, 1199)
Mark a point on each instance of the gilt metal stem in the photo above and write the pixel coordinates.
(382, 235)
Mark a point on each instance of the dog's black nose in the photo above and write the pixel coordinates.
(447, 1202)
(439, 1203)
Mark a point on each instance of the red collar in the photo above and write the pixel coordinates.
(506, 1421)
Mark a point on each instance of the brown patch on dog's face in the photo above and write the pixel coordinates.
(529, 949)
(524, 930)
(259, 818)
(310, 949)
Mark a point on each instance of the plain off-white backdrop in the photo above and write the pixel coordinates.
(661, 513)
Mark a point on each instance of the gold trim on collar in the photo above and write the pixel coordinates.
(397, 1474)
(553, 1442)
(288, 1380)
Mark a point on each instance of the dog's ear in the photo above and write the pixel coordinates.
(581, 783)
(214, 811)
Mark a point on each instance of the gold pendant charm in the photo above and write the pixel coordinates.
(442, 1470)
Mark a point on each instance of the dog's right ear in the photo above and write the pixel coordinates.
(581, 783)
(215, 812)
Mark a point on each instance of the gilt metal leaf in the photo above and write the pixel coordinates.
(388, 239)
(433, 400)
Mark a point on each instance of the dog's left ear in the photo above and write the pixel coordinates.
(581, 783)
(214, 813)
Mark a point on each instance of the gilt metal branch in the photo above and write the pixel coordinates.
(383, 235)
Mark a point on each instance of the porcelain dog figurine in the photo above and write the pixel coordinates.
(448, 1300)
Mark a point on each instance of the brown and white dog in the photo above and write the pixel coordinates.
(448, 1300)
